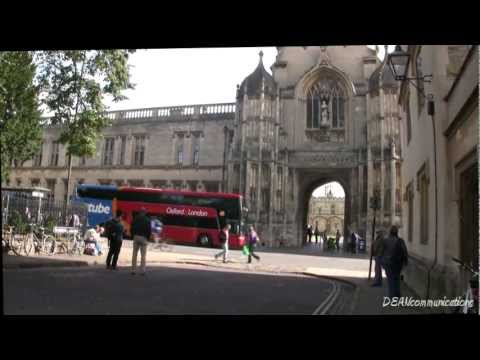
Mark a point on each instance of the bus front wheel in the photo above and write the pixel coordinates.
(204, 240)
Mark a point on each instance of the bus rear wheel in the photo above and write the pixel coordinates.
(204, 240)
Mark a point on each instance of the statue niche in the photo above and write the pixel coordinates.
(326, 103)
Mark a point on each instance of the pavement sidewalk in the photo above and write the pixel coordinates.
(367, 300)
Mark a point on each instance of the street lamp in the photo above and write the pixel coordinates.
(375, 205)
(398, 62)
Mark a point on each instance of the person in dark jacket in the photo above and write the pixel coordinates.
(141, 233)
(377, 251)
(394, 258)
(252, 241)
(114, 231)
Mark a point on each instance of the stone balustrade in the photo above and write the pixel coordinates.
(169, 112)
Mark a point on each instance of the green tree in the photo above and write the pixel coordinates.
(74, 84)
(20, 129)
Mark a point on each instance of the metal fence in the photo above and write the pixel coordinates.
(20, 209)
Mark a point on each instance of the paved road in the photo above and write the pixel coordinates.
(165, 290)
(308, 256)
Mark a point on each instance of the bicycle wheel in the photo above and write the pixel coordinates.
(28, 244)
(48, 245)
(16, 244)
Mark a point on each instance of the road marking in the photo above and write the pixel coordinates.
(329, 301)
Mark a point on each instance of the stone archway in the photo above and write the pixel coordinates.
(308, 181)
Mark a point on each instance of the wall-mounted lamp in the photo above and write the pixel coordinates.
(398, 62)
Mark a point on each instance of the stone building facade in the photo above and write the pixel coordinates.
(325, 114)
(327, 212)
(440, 167)
(180, 147)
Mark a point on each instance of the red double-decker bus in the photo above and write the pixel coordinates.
(188, 217)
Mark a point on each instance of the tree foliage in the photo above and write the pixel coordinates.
(20, 130)
(74, 84)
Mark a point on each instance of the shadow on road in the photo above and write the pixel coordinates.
(25, 262)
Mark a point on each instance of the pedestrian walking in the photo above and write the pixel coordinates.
(377, 251)
(337, 239)
(157, 229)
(353, 242)
(316, 233)
(309, 233)
(141, 233)
(114, 232)
(394, 259)
(223, 236)
(252, 241)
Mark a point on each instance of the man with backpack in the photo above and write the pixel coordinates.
(394, 258)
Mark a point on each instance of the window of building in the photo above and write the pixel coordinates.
(139, 150)
(37, 159)
(108, 151)
(265, 201)
(51, 185)
(196, 149)
(319, 210)
(422, 187)
(326, 105)
(123, 146)
(410, 199)
(83, 160)
(35, 182)
(55, 151)
(409, 118)
(332, 209)
(179, 151)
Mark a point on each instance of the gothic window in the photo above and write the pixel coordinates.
(326, 105)
(35, 182)
(108, 151)
(139, 150)
(332, 209)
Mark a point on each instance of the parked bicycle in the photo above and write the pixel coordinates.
(39, 241)
(12, 241)
(472, 292)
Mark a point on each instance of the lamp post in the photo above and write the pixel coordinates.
(375, 205)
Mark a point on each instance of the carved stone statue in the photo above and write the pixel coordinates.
(324, 111)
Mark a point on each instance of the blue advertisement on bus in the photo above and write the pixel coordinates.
(100, 209)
